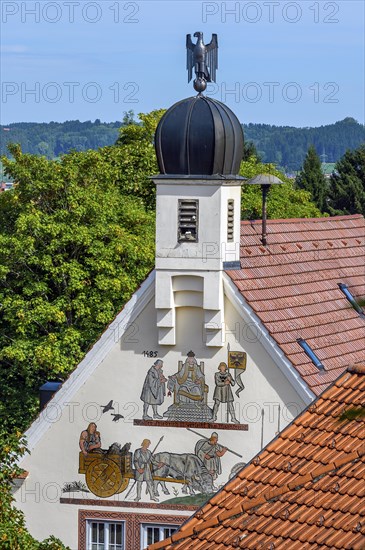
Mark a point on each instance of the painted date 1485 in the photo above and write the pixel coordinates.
(150, 353)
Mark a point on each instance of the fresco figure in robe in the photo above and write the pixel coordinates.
(153, 390)
(210, 452)
(90, 439)
(143, 461)
(189, 382)
(223, 393)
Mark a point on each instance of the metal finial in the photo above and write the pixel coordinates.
(203, 59)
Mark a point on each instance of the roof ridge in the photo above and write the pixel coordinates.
(303, 220)
(266, 496)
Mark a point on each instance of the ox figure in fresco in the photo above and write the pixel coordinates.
(187, 467)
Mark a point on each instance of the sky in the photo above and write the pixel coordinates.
(288, 63)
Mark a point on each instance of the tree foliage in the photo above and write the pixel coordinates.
(13, 532)
(284, 201)
(312, 179)
(136, 157)
(347, 184)
(249, 150)
(73, 249)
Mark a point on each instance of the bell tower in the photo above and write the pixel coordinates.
(199, 147)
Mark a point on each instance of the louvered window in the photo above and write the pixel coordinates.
(230, 220)
(188, 220)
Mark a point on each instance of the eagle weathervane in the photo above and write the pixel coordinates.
(203, 59)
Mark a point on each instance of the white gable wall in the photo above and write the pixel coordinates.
(119, 376)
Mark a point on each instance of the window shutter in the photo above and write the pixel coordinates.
(230, 220)
(188, 220)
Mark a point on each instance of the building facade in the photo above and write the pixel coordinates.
(209, 360)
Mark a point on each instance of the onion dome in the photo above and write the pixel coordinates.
(199, 136)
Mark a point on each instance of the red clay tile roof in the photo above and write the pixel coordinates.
(23, 475)
(305, 490)
(292, 286)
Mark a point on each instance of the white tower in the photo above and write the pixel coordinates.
(199, 146)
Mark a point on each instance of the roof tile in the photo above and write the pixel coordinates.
(305, 490)
(292, 286)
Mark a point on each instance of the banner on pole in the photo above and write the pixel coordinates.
(237, 360)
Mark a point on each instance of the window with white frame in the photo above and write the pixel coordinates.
(154, 533)
(105, 535)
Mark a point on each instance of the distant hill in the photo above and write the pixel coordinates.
(56, 138)
(285, 146)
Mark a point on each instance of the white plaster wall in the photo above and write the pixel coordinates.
(120, 376)
(212, 247)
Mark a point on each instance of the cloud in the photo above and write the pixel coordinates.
(15, 48)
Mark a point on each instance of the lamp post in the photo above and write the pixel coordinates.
(266, 181)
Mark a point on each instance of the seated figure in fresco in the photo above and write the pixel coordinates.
(90, 440)
(188, 382)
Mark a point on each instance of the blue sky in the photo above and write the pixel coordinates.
(280, 62)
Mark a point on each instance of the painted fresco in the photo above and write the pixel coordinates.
(95, 445)
(223, 392)
(143, 473)
(204, 397)
(190, 392)
(237, 360)
(108, 472)
(153, 390)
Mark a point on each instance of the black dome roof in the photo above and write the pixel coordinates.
(199, 136)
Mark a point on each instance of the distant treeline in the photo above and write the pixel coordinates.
(285, 146)
(53, 139)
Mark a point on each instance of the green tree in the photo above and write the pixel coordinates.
(347, 184)
(136, 158)
(13, 532)
(73, 249)
(312, 179)
(249, 150)
(128, 118)
(284, 201)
